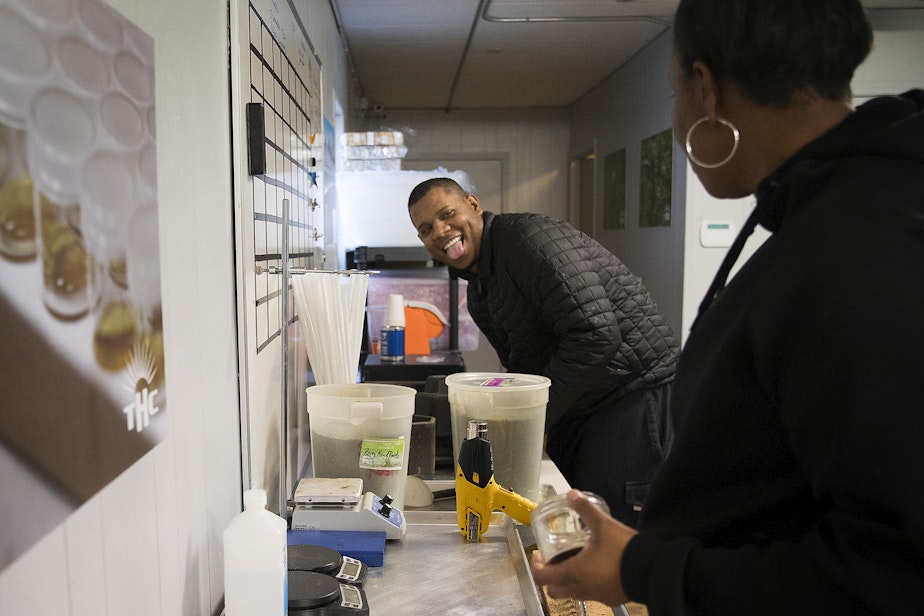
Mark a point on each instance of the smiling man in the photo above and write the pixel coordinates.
(554, 302)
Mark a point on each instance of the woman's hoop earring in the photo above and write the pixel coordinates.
(689, 145)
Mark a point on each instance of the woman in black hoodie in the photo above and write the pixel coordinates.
(794, 484)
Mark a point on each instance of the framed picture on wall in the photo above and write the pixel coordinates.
(614, 190)
(655, 181)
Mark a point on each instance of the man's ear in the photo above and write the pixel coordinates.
(473, 201)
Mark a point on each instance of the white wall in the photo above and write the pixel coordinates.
(893, 67)
(631, 105)
(150, 542)
(531, 146)
(895, 64)
(635, 103)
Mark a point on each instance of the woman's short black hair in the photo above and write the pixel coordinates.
(775, 49)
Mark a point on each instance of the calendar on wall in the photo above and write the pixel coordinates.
(279, 152)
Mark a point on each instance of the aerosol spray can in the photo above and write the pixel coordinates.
(392, 336)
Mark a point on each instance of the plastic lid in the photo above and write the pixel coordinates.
(500, 380)
(255, 499)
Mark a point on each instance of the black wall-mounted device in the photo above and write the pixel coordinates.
(256, 147)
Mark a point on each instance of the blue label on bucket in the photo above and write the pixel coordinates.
(392, 342)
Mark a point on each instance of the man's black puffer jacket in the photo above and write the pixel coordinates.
(552, 301)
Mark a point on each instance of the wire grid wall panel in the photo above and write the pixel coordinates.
(292, 121)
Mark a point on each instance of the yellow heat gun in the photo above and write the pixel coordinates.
(477, 494)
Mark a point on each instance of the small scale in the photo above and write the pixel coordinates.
(339, 504)
(329, 492)
(317, 594)
(328, 561)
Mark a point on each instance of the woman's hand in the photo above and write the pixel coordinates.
(594, 572)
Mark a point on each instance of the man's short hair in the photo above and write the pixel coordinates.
(421, 190)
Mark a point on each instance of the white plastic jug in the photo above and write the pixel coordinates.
(256, 567)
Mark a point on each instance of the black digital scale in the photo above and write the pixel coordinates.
(328, 561)
(316, 594)
(323, 582)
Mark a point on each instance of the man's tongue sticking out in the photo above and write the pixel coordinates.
(455, 251)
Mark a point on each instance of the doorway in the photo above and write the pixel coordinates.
(582, 192)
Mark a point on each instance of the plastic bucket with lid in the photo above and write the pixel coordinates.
(514, 406)
(362, 430)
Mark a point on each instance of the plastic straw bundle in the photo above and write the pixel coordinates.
(331, 307)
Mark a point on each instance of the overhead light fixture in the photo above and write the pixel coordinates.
(548, 17)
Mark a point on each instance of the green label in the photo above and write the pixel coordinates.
(382, 453)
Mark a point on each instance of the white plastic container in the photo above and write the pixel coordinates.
(256, 561)
(514, 407)
(362, 430)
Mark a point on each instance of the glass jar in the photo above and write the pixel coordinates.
(559, 531)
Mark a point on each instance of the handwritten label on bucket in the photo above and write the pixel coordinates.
(382, 454)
